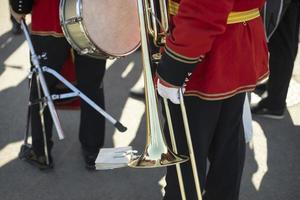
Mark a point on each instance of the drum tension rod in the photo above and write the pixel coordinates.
(73, 20)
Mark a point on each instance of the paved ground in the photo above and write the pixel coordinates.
(272, 164)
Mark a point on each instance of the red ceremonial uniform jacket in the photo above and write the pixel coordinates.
(236, 55)
(45, 18)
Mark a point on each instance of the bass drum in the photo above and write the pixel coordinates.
(101, 28)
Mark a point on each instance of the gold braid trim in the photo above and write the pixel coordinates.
(173, 7)
(225, 95)
(243, 16)
(181, 58)
(233, 18)
(47, 33)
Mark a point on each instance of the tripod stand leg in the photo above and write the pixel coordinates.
(41, 112)
(37, 68)
(107, 116)
(28, 114)
(25, 148)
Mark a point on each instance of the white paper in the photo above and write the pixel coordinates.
(111, 158)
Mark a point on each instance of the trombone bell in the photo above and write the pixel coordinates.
(157, 156)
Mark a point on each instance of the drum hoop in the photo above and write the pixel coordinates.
(65, 30)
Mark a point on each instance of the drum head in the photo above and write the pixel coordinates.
(112, 25)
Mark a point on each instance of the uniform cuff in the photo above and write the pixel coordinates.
(173, 69)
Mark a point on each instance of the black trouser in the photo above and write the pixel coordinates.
(89, 75)
(218, 135)
(283, 47)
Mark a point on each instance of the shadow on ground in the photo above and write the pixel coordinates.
(273, 162)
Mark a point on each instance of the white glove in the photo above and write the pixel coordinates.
(170, 93)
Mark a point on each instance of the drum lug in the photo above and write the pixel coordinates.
(112, 58)
(73, 20)
(84, 51)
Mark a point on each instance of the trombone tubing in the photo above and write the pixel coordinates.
(190, 145)
(150, 86)
(174, 146)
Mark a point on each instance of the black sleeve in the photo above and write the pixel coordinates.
(21, 6)
(174, 68)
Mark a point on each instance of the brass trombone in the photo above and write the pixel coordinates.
(157, 153)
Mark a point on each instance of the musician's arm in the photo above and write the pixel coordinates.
(196, 26)
(19, 8)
